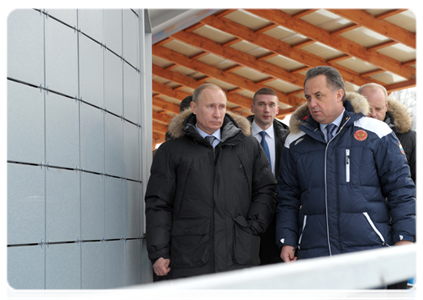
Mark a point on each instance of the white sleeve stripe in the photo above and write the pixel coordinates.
(292, 137)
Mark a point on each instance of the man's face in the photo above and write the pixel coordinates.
(265, 110)
(377, 102)
(324, 105)
(210, 110)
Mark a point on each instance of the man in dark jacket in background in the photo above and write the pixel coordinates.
(210, 194)
(264, 123)
(396, 115)
(339, 167)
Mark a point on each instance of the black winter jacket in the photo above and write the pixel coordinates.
(206, 206)
(269, 250)
(399, 120)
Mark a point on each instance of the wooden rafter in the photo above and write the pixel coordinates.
(389, 13)
(275, 46)
(401, 85)
(336, 42)
(213, 71)
(239, 57)
(380, 26)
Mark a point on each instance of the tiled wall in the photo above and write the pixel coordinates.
(75, 145)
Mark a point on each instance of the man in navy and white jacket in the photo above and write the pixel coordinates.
(333, 186)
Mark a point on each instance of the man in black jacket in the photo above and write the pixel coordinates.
(210, 194)
(264, 123)
(396, 115)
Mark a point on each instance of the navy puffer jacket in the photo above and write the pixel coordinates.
(352, 193)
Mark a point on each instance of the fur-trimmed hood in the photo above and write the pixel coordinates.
(358, 101)
(401, 117)
(176, 126)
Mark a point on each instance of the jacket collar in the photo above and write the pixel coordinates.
(355, 107)
(398, 117)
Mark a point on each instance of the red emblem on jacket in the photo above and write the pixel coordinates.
(360, 135)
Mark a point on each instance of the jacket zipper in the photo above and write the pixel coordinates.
(347, 165)
(302, 232)
(375, 229)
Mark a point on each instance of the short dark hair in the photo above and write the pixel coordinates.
(265, 91)
(199, 90)
(333, 78)
(185, 103)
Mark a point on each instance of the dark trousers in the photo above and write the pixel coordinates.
(397, 291)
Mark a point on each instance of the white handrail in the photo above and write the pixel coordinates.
(320, 278)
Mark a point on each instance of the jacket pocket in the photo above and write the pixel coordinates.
(302, 231)
(190, 243)
(246, 245)
(373, 226)
(347, 165)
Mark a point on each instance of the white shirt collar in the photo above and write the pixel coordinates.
(216, 134)
(255, 129)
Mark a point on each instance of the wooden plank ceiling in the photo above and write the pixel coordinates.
(243, 50)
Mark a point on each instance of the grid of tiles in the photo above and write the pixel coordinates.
(74, 150)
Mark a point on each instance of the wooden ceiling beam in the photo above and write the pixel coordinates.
(231, 42)
(239, 57)
(389, 13)
(266, 28)
(284, 112)
(162, 117)
(382, 27)
(401, 85)
(190, 82)
(274, 45)
(211, 71)
(224, 12)
(157, 126)
(409, 62)
(382, 45)
(344, 29)
(303, 44)
(371, 73)
(169, 92)
(303, 13)
(336, 42)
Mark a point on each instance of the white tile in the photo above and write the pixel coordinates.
(61, 58)
(63, 266)
(62, 131)
(25, 267)
(63, 205)
(132, 262)
(131, 94)
(112, 19)
(25, 204)
(113, 83)
(130, 37)
(115, 264)
(90, 22)
(131, 148)
(115, 204)
(25, 123)
(25, 46)
(91, 71)
(93, 265)
(114, 162)
(133, 216)
(92, 206)
(92, 138)
(145, 264)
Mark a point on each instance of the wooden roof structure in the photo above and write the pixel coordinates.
(243, 50)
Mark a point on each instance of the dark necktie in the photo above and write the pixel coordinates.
(263, 143)
(329, 130)
(210, 139)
